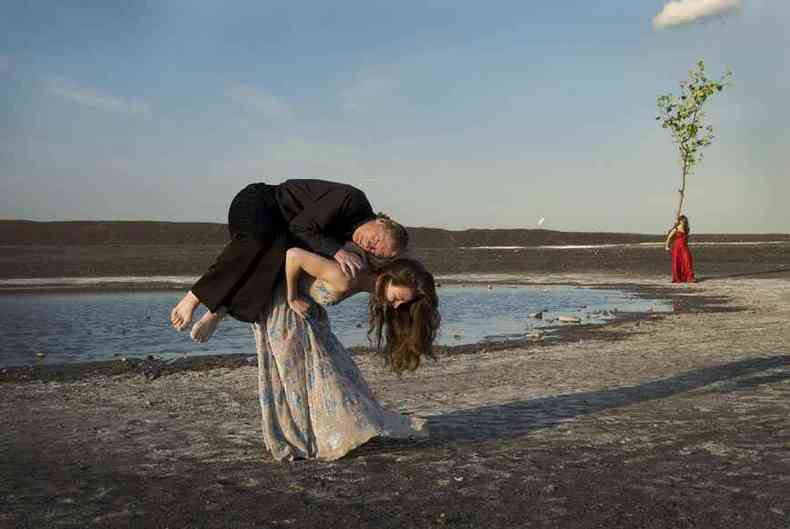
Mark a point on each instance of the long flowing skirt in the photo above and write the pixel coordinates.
(314, 401)
(682, 262)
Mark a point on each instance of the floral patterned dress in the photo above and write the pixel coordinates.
(314, 402)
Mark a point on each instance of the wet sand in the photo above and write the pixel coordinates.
(666, 420)
(736, 256)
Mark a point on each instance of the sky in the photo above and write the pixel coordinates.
(448, 114)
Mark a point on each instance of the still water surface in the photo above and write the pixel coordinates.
(79, 327)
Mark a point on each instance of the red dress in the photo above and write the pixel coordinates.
(682, 262)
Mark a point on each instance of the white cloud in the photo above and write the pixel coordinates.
(679, 12)
(258, 99)
(92, 98)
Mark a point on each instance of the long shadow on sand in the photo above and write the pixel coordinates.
(518, 418)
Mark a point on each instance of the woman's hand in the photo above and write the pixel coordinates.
(300, 306)
(666, 248)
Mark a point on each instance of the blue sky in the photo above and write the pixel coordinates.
(448, 114)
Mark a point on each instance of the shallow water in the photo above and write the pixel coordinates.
(67, 327)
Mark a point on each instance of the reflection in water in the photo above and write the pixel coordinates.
(78, 327)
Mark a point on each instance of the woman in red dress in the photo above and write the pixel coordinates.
(682, 262)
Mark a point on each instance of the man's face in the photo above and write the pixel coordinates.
(374, 238)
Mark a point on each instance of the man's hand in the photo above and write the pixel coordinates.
(299, 306)
(350, 263)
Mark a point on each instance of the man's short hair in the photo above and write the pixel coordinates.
(398, 233)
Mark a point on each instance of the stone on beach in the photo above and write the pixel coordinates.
(535, 336)
(152, 367)
(569, 319)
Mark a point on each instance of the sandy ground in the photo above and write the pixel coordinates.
(679, 420)
(47, 261)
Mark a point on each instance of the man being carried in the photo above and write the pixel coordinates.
(264, 221)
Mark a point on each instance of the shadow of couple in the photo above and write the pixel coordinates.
(517, 419)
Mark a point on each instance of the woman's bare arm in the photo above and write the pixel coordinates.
(669, 238)
(297, 261)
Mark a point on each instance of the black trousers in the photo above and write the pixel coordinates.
(243, 277)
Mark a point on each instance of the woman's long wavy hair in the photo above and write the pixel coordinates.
(406, 334)
(686, 226)
(685, 220)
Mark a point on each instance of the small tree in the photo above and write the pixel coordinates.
(684, 118)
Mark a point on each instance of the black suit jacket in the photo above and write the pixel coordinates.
(322, 215)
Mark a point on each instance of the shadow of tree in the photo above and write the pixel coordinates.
(516, 419)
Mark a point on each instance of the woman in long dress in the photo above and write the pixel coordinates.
(314, 401)
(682, 261)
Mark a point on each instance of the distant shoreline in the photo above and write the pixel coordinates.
(24, 232)
(83, 251)
(171, 282)
(622, 245)
(79, 268)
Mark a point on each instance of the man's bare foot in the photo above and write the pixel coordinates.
(205, 326)
(181, 315)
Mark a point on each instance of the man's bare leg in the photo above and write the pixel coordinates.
(205, 326)
(181, 315)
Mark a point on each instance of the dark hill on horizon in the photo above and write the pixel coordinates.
(23, 232)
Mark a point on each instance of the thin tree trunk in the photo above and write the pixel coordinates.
(681, 196)
(685, 166)
(682, 190)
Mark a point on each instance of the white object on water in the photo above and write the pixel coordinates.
(540, 222)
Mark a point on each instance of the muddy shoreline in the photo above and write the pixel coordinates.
(117, 260)
(559, 333)
(677, 420)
